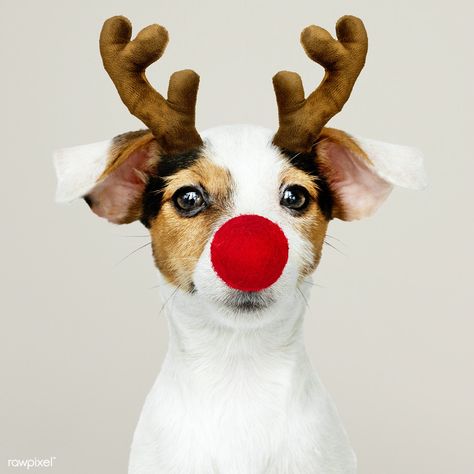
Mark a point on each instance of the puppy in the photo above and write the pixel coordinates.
(237, 217)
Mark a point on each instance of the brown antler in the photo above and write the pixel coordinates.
(171, 120)
(301, 120)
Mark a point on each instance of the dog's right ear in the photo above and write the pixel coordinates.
(111, 176)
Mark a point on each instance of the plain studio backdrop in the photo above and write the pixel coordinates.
(390, 326)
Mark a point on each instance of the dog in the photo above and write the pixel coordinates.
(237, 217)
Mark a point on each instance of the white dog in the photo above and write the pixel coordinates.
(237, 218)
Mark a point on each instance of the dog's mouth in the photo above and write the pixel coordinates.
(247, 301)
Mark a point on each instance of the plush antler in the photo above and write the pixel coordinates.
(171, 120)
(301, 120)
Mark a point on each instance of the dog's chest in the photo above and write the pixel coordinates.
(246, 422)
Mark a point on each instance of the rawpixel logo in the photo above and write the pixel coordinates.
(33, 463)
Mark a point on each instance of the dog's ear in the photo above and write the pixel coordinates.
(111, 176)
(361, 172)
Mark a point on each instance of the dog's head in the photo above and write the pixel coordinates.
(237, 214)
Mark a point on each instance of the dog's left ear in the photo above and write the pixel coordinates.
(361, 172)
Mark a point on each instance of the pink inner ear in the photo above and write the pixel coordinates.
(359, 191)
(117, 196)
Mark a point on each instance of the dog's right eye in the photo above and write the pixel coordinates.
(189, 201)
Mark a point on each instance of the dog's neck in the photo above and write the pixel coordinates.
(237, 393)
(210, 344)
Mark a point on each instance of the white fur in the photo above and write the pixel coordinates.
(78, 169)
(397, 164)
(255, 166)
(237, 393)
(237, 398)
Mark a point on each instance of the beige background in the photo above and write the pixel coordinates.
(391, 327)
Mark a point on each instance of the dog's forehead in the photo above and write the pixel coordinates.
(238, 147)
(254, 163)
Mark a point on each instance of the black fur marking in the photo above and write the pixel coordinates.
(308, 162)
(167, 166)
(88, 200)
(247, 301)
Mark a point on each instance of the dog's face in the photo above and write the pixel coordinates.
(237, 221)
(236, 215)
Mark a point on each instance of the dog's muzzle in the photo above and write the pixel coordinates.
(249, 252)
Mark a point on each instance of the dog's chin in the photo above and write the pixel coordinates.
(247, 301)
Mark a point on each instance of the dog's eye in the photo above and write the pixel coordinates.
(295, 197)
(189, 201)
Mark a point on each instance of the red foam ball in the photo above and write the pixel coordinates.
(249, 252)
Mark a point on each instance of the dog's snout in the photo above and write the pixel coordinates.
(249, 252)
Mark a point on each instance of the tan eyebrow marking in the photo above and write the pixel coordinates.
(292, 175)
(312, 225)
(178, 241)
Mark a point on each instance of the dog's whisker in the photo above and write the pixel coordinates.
(312, 283)
(134, 236)
(131, 253)
(304, 297)
(161, 285)
(168, 300)
(177, 259)
(334, 247)
(162, 260)
(335, 238)
(317, 142)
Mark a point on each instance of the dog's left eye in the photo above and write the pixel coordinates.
(189, 201)
(295, 198)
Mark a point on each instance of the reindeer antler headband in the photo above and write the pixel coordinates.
(301, 120)
(172, 120)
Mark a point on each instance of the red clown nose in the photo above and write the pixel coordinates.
(249, 252)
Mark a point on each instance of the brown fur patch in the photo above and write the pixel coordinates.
(341, 138)
(117, 195)
(330, 137)
(178, 241)
(123, 146)
(312, 224)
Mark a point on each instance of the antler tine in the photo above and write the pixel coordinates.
(301, 120)
(171, 120)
